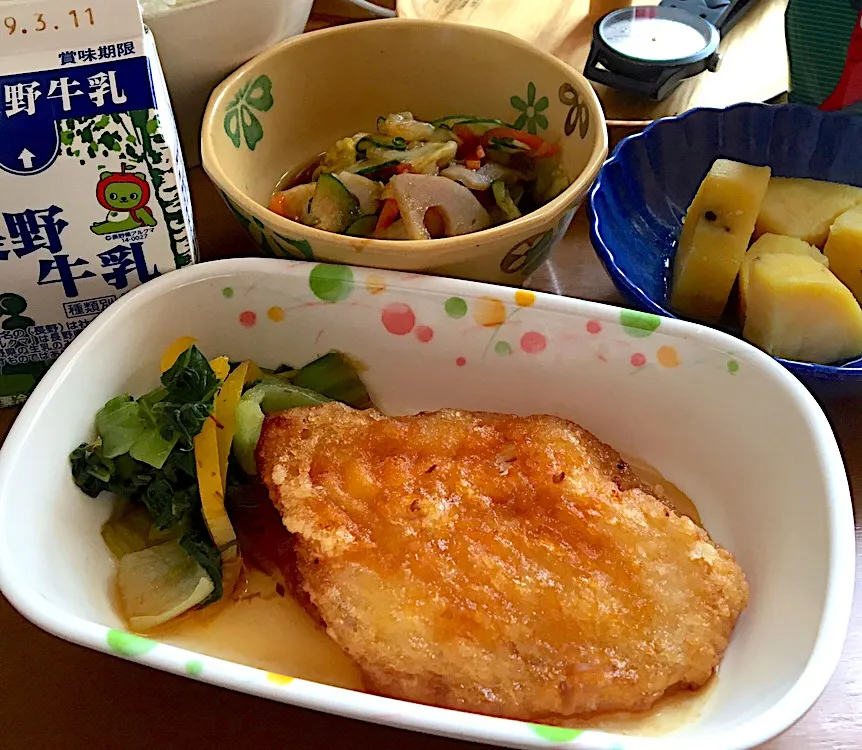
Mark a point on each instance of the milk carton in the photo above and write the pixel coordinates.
(93, 193)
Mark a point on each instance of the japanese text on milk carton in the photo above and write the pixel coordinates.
(93, 196)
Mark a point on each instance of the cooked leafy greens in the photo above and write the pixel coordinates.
(331, 377)
(149, 451)
(144, 452)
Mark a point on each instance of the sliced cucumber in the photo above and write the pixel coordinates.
(504, 200)
(396, 143)
(333, 207)
(370, 167)
(364, 226)
(450, 121)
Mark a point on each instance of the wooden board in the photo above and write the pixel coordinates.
(754, 56)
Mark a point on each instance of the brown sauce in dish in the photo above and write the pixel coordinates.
(266, 630)
(265, 627)
(299, 175)
(664, 490)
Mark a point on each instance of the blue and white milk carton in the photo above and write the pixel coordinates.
(93, 192)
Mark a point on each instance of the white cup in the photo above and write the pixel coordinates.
(202, 42)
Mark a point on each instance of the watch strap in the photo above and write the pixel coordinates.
(722, 14)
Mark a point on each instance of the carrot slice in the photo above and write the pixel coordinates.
(276, 204)
(388, 214)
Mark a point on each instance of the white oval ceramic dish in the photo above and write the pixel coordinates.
(717, 417)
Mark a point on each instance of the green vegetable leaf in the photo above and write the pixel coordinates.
(267, 396)
(119, 425)
(203, 551)
(186, 420)
(166, 503)
(95, 474)
(191, 379)
(333, 375)
(152, 448)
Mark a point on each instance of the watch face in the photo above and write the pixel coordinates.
(658, 34)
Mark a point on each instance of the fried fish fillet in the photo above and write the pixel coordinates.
(511, 566)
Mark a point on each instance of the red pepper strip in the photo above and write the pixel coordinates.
(538, 146)
(469, 141)
(388, 215)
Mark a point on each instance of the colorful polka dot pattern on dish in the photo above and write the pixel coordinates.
(503, 319)
(278, 679)
(489, 312)
(668, 356)
(128, 644)
(398, 318)
(195, 667)
(638, 324)
(424, 333)
(456, 307)
(375, 285)
(331, 283)
(533, 342)
(557, 735)
(525, 298)
(275, 314)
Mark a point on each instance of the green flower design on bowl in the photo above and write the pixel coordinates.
(239, 120)
(271, 243)
(531, 110)
(528, 254)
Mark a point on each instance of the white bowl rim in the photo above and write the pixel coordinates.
(533, 221)
(835, 616)
(172, 10)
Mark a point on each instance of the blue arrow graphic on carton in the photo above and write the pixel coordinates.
(28, 146)
(32, 105)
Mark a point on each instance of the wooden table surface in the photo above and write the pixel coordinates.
(565, 28)
(61, 696)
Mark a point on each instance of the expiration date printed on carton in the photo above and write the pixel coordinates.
(93, 195)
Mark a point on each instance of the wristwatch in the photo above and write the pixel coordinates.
(650, 50)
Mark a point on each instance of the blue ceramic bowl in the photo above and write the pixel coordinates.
(640, 196)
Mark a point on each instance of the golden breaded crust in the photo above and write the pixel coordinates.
(511, 566)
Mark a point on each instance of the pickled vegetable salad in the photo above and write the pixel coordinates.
(425, 180)
(171, 455)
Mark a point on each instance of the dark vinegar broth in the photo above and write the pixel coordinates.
(299, 175)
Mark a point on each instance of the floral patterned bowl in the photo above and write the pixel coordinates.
(290, 103)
